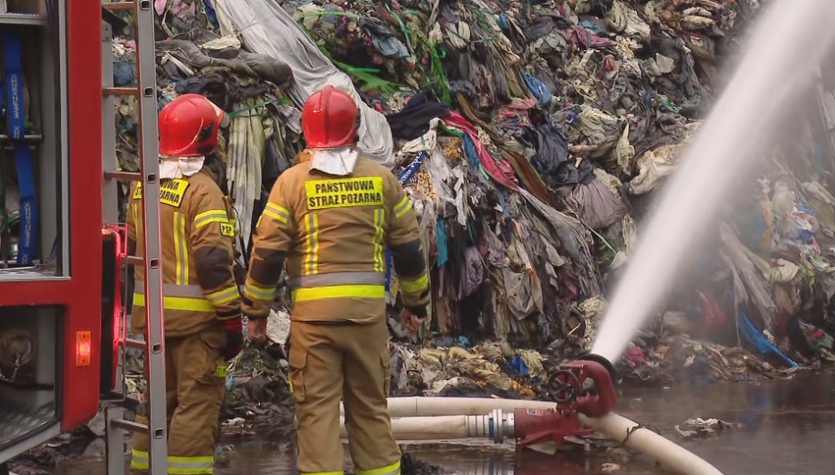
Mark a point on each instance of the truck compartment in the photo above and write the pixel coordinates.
(30, 396)
(41, 102)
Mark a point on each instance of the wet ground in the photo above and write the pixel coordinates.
(788, 428)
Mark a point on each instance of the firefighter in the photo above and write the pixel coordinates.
(331, 217)
(201, 302)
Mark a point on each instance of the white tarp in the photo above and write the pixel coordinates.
(267, 29)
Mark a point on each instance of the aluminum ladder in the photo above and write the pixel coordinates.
(116, 426)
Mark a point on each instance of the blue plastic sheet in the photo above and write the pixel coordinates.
(210, 13)
(503, 23)
(471, 152)
(593, 27)
(756, 338)
(519, 367)
(122, 72)
(538, 89)
(389, 47)
(803, 234)
(441, 240)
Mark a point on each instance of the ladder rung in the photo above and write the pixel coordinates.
(123, 176)
(137, 344)
(120, 6)
(120, 91)
(129, 425)
(28, 137)
(134, 261)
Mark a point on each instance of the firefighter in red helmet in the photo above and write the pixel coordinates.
(201, 302)
(331, 217)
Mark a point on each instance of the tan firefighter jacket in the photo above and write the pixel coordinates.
(333, 231)
(197, 237)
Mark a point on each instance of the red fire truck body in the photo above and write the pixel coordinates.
(63, 312)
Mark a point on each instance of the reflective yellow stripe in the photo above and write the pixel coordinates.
(190, 465)
(272, 215)
(224, 296)
(211, 216)
(139, 460)
(134, 208)
(178, 303)
(339, 291)
(177, 258)
(402, 207)
(259, 293)
(203, 459)
(414, 285)
(393, 469)
(311, 252)
(379, 218)
(180, 249)
(322, 473)
(189, 471)
(278, 212)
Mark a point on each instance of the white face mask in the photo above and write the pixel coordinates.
(178, 167)
(334, 161)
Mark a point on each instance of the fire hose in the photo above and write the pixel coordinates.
(584, 406)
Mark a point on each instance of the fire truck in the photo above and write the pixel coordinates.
(63, 253)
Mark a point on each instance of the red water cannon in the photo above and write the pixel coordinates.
(583, 386)
(590, 382)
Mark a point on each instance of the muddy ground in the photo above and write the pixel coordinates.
(775, 428)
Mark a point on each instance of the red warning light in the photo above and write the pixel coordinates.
(83, 348)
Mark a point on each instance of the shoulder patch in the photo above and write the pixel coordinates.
(227, 229)
(344, 192)
(171, 192)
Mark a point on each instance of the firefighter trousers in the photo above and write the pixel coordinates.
(329, 362)
(195, 385)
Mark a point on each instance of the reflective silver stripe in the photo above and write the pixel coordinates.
(259, 293)
(393, 469)
(338, 278)
(190, 465)
(401, 208)
(224, 296)
(173, 290)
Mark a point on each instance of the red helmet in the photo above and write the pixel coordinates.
(188, 126)
(329, 119)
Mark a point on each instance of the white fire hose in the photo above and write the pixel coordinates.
(426, 418)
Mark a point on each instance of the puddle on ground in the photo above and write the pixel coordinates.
(788, 428)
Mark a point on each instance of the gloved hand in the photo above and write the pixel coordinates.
(257, 329)
(234, 337)
(410, 321)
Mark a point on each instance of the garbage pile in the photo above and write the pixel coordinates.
(44, 459)
(264, 132)
(496, 369)
(531, 138)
